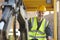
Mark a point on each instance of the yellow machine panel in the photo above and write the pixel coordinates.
(31, 5)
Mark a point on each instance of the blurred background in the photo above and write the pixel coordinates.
(31, 12)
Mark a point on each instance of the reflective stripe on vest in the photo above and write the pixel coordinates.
(37, 36)
(34, 33)
(34, 23)
(37, 31)
(43, 26)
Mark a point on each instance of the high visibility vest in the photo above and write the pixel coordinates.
(38, 34)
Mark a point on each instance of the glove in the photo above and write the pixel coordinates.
(49, 38)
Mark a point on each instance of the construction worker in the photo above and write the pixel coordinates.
(39, 27)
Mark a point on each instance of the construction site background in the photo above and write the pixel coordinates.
(49, 17)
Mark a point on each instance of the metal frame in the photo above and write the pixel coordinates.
(55, 21)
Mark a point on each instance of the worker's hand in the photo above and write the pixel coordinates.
(49, 38)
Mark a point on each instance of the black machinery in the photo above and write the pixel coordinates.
(11, 8)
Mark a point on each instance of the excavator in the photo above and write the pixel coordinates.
(16, 10)
(13, 10)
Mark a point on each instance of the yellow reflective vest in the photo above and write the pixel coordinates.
(40, 33)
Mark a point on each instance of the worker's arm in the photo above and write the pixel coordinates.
(48, 32)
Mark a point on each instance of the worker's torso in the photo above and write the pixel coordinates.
(38, 30)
